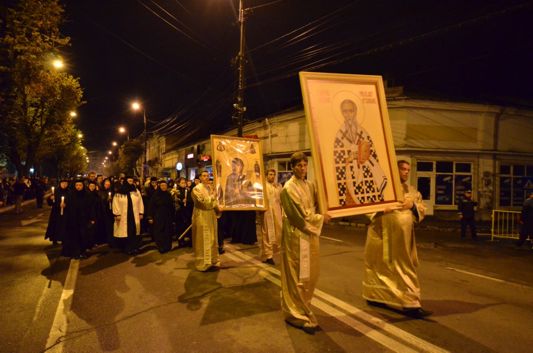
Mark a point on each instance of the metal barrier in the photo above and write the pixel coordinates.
(505, 224)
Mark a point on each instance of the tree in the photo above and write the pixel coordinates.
(35, 100)
(128, 155)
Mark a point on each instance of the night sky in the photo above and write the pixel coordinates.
(176, 56)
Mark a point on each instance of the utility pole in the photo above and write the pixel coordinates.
(239, 106)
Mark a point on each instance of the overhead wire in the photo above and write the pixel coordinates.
(141, 52)
(171, 25)
(318, 20)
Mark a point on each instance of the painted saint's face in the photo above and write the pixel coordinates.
(349, 111)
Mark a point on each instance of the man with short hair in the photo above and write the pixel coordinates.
(390, 253)
(269, 221)
(526, 220)
(467, 214)
(204, 225)
(302, 226)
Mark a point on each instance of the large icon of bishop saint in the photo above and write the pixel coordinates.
(360, 178)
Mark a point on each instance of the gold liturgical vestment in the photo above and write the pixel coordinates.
(299, 251)
(391, 257)
(270, 222)
(204, 228)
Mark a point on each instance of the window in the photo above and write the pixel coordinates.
(424, 166)
(516, 180)
(452, 179)
(284, 171)
(424, 187)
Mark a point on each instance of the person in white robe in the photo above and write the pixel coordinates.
(269, 221)
(302, 226)
(204, 225)
(391, 259)
(128, 209)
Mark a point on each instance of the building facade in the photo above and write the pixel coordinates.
(451, 146)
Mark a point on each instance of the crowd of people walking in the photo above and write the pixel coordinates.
(87, 213)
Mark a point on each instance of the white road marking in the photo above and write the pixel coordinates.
(486, 277)
(38, 310)
(321, 299)
(31, 220)
(332, 239)
(59, 326)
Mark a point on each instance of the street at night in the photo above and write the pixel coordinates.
(277, 176)
(480, 293)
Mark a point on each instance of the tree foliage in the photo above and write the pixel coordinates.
(35, 99)
(128, 155)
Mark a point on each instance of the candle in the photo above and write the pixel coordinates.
(109, 197)
(53, 189)
(62, 204)
(185, 199)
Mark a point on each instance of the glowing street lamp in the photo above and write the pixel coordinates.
(122, 130)
(109, 152)
(58, 64)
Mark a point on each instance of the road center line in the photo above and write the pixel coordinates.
(321, 299)
(368, 331)
(332, 239)
(486, 277)
(59, 325)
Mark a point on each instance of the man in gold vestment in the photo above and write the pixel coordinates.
(269, 221)
(300, 246)
(204, 225)
(390, 253)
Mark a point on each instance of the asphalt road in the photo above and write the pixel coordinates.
(480, 293)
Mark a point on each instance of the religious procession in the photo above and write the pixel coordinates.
(120, 212)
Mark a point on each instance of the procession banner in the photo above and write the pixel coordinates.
(351, 143)
(239, 174)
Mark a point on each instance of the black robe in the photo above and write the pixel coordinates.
(241, 226)
(105, 227)
(161, 211)
(57, 223)
(93, 234)
(184, 207)
(79, 217)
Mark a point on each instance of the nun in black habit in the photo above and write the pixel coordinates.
(57, 223)
(105, 228)
(80, 218)
(161, 217)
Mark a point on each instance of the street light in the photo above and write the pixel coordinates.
(122, 130)
(109, 152)
(58, 64)
(136, 106)
(114, 143)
